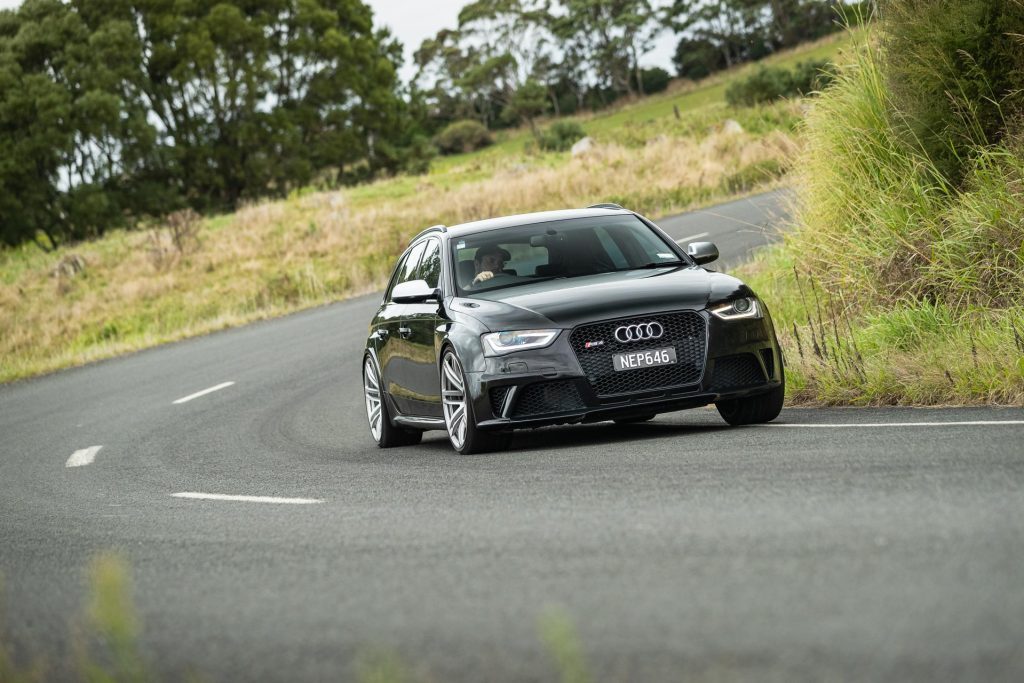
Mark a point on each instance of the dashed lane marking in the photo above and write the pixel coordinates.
(204, 392)
(246, 499)
(83, 456)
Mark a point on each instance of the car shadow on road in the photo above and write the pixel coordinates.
(601, 433)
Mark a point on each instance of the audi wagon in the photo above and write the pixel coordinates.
(561, 317)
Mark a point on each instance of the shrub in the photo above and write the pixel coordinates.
(653, 80)
(459, 137)
(769, 83)
(813, 76)
(560, 136)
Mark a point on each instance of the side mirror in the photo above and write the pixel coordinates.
(702, 252)
(414, 292)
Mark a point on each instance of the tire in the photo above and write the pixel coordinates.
(459, 419)
(378, 417)
(634, 420)
(754, 409)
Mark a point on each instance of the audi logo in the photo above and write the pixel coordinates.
(639, 332)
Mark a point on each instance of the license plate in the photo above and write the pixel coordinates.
(644, 359)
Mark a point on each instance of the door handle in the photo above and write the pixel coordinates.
(382, 333)
(405, 332)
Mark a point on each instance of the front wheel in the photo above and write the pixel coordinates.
(458, 412)
(753, 409)
(383, 432)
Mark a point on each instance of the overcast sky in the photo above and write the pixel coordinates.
(413, 20)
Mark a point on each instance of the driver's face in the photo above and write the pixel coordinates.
(492, 262)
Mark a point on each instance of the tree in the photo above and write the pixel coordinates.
(72, 140)
(611, 36)
(529, 101)
(255, 98)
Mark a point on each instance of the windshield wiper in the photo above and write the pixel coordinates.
(530, 281)
(655, 264)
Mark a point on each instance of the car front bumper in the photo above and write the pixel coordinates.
(549, 386)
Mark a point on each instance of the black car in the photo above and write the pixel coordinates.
(562, 317)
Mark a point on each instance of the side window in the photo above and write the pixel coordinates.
(430, 264)
(406, 269)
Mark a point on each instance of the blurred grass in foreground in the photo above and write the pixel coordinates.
(106, 640)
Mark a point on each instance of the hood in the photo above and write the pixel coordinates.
(567, 302)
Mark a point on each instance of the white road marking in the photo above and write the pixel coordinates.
(204, 392)
(693, 237)
(246, 499)
(83, 456)
(963, 423)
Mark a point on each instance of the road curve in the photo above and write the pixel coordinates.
(880, 544)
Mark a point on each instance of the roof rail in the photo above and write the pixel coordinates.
(608, 205)
(439, 227)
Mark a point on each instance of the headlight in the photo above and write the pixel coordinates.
(738, 308)
(498, 343)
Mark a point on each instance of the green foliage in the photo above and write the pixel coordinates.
(70, 133)
(463, 136)
(652, 80)
(916, 282)
(560, 136)
(769, 83)
(719, 35)
(529, 101)
(235, 101)
(957, 77)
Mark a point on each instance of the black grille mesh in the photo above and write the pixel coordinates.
(548, 397)
(741, 370)
(498, 395)
(684, 331)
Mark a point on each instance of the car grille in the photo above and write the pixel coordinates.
(732, 372)
(684, 331)
(548, 397)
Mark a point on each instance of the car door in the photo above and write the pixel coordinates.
(391, 347)
(419, 376)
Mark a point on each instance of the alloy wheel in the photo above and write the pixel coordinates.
(371, 390)
(453, 396)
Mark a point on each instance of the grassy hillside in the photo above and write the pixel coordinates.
(899, 285)
(134, 289)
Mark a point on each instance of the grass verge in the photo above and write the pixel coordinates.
(897, 286)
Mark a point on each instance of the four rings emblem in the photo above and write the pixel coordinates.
(639, 332)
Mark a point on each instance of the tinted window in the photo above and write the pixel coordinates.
(430, 264)
(576, 247)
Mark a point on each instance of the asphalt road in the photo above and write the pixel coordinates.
(843, 544)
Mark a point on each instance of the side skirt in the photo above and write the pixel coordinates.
(425, 423)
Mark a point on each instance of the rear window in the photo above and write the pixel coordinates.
(569, 248)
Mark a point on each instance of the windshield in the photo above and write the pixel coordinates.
(569, 248)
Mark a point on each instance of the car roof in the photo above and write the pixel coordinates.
(489, 224)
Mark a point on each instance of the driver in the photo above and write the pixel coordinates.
(488, 262)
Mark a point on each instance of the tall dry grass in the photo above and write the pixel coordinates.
(137, 289)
